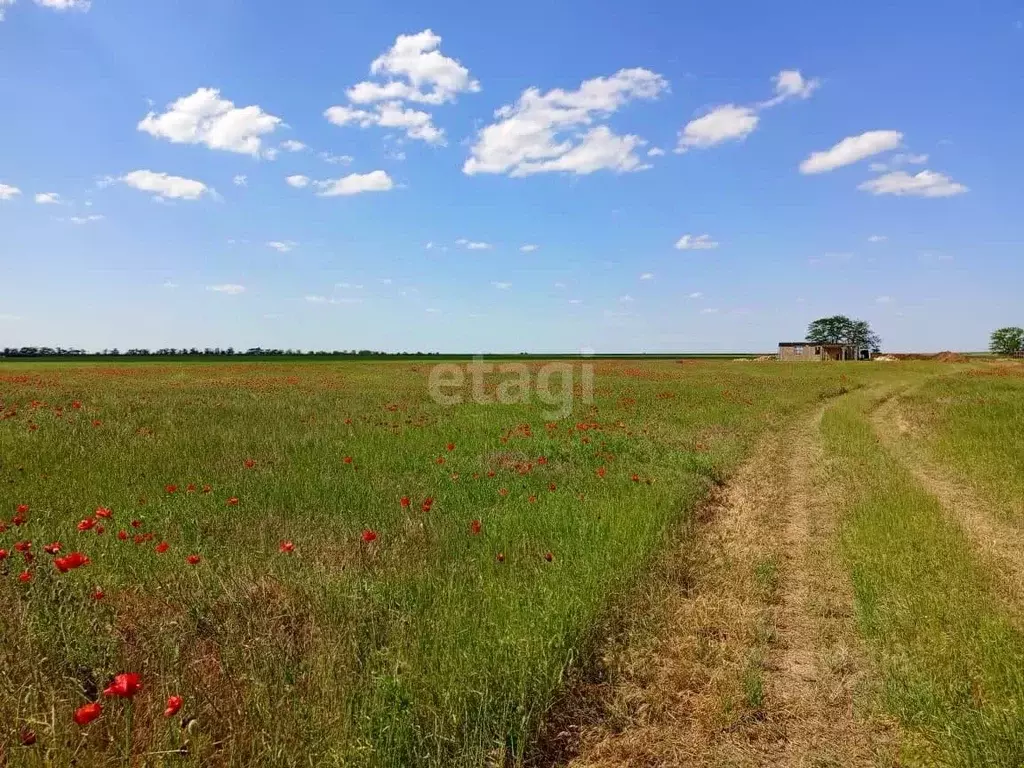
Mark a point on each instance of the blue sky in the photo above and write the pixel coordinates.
(145, 150)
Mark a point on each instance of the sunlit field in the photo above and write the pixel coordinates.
(325, 565)
(973, 424)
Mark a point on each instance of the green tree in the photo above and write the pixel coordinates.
(839, 329)
(1007, 341)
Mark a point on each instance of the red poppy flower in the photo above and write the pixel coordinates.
(490, 473)
(28, 556)
(503, 491)
(162, 547)
(3, 554)
(287, 547)
(635, 478)
(171, 488)
(70, 562)
(207, 489)
(347, 459)
(19, 520)
(405, 501)
(76, 404)
(138, 538)
(500, 557)
(103, 512)
(552, 486)
(173, 705)
(22, 546)
(100, 530)
(22, 509)
(124, 686)
(86, 713)
(532, 498)
(250, 463)
(450, 446)
(474, 527)
(99, 594)
(25, 577)
(192, 559)
(369, 535)
(548, 556)
(136, 523)
(542, 460)
(190, 488)
(86, 524)
(26, 736)
(122, 535)
(52, 549)
(427, 503)
(601, 472)
(439, 460)
(233, 501)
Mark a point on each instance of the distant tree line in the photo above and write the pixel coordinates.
(206, 352)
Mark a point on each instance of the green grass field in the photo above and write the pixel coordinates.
(378, 579)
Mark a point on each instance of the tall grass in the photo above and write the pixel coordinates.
(951, 659)
(422, 647)
(974, 424)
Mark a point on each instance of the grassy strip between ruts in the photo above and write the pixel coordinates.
(952, 662)
(974, 423)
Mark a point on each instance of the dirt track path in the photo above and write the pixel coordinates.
(1002, 544)
(758, 662)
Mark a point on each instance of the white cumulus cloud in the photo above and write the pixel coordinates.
(291, 145)
(728, 122)
(734, 122)
(528, 248)
(86, 219)
(502, 286)
(298, 181)
(354, 184)
(851, 150)
(282, 246)
(695, 243)
(554, 131)
(8, 192)
(877, 238)
(392, 114)
(65, 5)
(48, 198)
(647, 276)
(205, 118)
(231, 289)
(240, 180)
(923, 184)
(417, 71)
(791, 84)
(163, 185)
(327, 157)
(473, 245)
